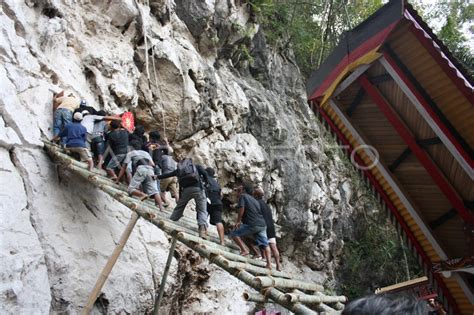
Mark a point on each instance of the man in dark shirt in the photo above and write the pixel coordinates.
(117, 141)
(214, 205)
(250, 221)
(271, 235)
(76, 136)
(190, 185)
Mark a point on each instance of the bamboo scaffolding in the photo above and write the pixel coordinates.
(156, 310)
(108, 186)
(205, 248)
(314, 299)
(110, 264)
(113, 189)
(249, 279)
(264, 282)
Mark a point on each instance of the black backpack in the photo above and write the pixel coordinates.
(187, 173)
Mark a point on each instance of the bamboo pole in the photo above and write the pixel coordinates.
(314, 299)
(110, 264)
(264, 282)
(254, 297)
(216, 250)
(257, 270)
(156, 310)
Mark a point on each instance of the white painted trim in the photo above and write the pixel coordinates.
(351, 78)
(437, 130)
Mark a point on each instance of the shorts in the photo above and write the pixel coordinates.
(259, 232)
(144, 177)
(215, 212)
(84, 154)
(272, 240)
(171, 184)
(116, 161)
(98, 148)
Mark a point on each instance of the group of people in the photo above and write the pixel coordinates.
(147, 166)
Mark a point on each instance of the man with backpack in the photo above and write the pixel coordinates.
(143, 174)
(189, 179)
(214, 205)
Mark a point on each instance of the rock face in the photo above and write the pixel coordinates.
(200, 72)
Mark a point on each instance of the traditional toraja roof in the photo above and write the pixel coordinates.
(404, 108)
(269, 286)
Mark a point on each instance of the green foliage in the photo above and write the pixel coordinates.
(312, 28)
(375, 258)
(452, 15)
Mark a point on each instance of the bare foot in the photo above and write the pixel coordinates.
(269, 266)
(244, 253)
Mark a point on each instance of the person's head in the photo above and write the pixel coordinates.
(164, 152)
(115, 124)
(155, 135)
(139, 130)
(434, 303)
(242, 188)
(77, 116)
(385, 305)
(258, 193)
(101, 113)
(136, 145)
(210, 171)
(85, 112)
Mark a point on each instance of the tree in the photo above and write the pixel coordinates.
(311, 27)
(448, 19)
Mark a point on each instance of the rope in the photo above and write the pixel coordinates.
(158, 91)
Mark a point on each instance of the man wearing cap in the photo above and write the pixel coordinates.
(64, 107)
(76, 135)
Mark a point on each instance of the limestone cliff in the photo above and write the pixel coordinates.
(199, 71)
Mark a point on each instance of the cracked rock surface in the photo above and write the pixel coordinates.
(179, 67)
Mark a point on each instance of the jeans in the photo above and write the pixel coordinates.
(199, 197)
(62, 117)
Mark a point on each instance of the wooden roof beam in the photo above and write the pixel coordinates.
(425, 160)
(429, 110)
(402, 157)
(445, 217)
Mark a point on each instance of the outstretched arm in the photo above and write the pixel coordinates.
(173, 173)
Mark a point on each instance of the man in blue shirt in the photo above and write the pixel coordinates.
(76, 135)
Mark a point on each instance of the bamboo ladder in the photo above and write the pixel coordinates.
(272, 286)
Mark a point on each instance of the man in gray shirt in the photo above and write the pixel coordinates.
(250, 221)
(143, 175)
